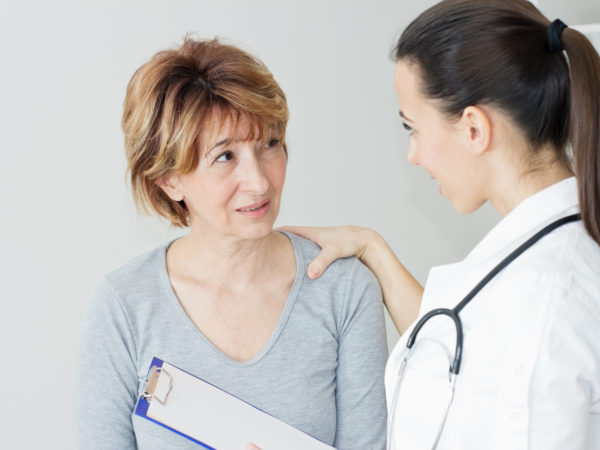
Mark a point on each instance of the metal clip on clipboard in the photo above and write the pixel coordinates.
(152, 383)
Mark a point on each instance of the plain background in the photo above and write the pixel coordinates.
(68, 216)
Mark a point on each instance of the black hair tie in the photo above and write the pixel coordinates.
(553, 33)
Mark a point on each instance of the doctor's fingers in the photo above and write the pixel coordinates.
(251, 446)
(335, 242)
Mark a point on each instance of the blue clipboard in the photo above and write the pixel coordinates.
(201, 412)
(141, 409)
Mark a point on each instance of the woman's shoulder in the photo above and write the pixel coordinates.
(341, 269)
(346, 292)
(347, 285)
(140, 266)
(141, 277)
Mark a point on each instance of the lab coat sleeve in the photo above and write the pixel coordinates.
(565, 385)
(106, 381)
(362, 354)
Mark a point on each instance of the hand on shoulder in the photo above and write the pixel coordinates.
(335, 242)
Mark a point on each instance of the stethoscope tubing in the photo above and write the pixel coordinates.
(455, 367)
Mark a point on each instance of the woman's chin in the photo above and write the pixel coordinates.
(255, 231)
(256, 228)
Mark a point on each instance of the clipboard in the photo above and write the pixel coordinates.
(210, 416)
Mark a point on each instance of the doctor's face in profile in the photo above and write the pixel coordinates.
(437, 144)
(236, 188)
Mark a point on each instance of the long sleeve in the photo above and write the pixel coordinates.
(106, 379)
(362, 355)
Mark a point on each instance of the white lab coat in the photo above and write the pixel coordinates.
(530, 375)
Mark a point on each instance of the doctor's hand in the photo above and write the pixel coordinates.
(401, 291)
(335, 243)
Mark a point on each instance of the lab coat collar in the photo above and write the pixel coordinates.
(533, 213)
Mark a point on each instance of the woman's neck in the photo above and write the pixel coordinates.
(227, 262)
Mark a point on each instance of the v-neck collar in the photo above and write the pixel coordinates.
(187, 321)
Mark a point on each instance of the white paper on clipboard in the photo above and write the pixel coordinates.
(213, 418)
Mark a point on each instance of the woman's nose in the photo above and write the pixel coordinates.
(253, 176)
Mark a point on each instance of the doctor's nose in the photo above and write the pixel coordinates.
(411, 157)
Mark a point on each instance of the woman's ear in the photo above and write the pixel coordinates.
(478, 128)
(169, 184)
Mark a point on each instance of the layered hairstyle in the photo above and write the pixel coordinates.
(182, 93)
(499, 52)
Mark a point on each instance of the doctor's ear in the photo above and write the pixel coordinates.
(478, 129)
(169, 185)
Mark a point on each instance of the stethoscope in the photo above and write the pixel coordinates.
(453, 314)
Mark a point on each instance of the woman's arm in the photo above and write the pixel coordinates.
(401, 291)
(361, 358)
(106, 381)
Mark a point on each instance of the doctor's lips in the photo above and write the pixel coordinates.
(255, 210)
(438, 184)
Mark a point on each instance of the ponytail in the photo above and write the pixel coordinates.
(584, 128)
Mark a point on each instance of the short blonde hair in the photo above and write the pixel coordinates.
(178, 94)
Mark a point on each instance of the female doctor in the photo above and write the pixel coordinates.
(492, 94)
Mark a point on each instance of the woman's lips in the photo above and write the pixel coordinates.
(256, 210)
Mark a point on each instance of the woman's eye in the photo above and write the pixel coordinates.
(407, 127)
(225, 156)
(272, 143)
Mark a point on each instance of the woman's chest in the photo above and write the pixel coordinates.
(294, 379)
(237, 322)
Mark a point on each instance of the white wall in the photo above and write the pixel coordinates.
(68, 216)
(572, 12)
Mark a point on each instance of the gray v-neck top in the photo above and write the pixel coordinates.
(320, 371)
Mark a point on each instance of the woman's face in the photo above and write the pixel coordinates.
(437, 144)
(236, 189)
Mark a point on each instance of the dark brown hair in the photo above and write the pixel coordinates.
(496, 52)
(180, 93)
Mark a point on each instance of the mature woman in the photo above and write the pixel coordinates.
(491, 104)
(204, 129)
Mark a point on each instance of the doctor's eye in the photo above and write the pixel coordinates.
(225, 156)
